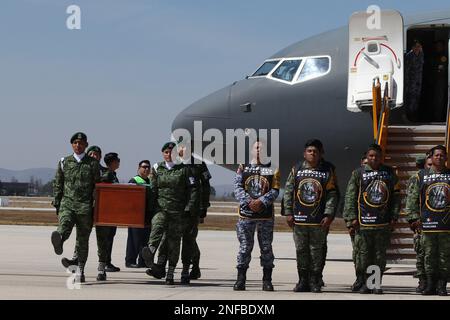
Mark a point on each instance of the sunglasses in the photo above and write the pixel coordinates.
(145, 167)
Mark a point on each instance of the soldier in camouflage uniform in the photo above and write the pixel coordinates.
(421, 163)
(96, 153)
(310, 201)
(413, 80)
(73, 189)
(428, 211)
(439, 78)
(105, 234)
(175, 188)
(256, 186)
(190, 252)
(372, 205)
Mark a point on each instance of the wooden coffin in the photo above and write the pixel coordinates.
(119, 205)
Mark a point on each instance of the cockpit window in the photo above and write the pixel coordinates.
(287, 70)
(265, 68)
(314, 67)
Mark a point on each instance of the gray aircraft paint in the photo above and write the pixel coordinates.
(312, 109)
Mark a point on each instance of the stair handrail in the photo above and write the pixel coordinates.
(376, 105)
(383, 122)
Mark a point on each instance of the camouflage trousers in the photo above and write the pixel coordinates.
(436, 246)
(169, 224)
(420, 255)
(190, 252)
(105, 238)
(310, 248)
(371, 246)
(245, 229)
(80, 215)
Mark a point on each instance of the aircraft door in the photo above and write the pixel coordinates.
(375, 51)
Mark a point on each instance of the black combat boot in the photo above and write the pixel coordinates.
(364, 289)
(57, 242)
(185, 280)
(430, 288)
(422, 284)
(101, 276)
(169, 276)
(356, 286)
(79, 275)
(148, 254)
(241, 278)
(303, 282)
(111, 268)
(195, 272)
(314, 283)
(442, 287)
(69, 262)
(267, 279)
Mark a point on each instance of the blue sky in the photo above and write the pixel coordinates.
(134, 65)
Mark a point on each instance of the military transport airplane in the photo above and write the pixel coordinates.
(321, 88)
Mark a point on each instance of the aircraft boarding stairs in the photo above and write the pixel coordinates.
(403, 144)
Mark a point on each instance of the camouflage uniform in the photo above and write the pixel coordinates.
(427, 202)
(73, 189)
(413, 82)
(310, 196)
(418, 248)
(252, 182)
(105, 234)
(373, 199)
(439, 70)
(190, 252)
(174, 189)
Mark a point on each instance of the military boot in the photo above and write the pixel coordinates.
(69, 262)
(57, 242)
(442, 287)
(364, 289)
(314, 283)
(195, 272)
(303, 282)
(422, 284)
(185, 275)
(101, 276)
(430, 288)
(356, 286)
(169, 276)
(239, 285)
(267, 279)
(148, 254)
(79, 275)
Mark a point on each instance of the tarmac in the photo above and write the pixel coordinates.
(29, 269)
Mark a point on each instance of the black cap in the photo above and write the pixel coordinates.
(168, 145)
(78, 136)
(110, 157)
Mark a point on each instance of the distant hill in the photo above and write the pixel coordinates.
(44, 174)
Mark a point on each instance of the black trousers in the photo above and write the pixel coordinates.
(137, 239)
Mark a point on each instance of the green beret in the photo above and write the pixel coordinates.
(420, 160)
(94, 149)
(168, 145)
(78, 135)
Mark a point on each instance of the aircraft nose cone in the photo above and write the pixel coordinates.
(208, 110)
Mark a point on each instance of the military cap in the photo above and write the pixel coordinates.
(78, 136)
(168, 145)
(94, 149)
(420, 160)
(110, 157)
